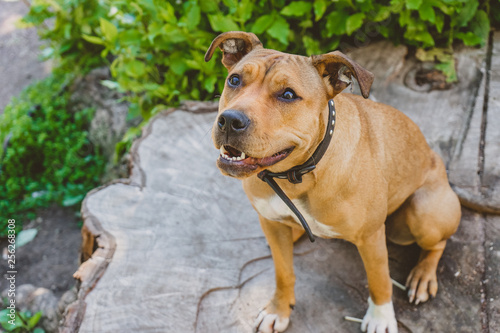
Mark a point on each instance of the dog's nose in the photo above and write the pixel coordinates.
(233, 121)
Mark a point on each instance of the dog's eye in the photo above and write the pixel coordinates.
(234, 81)
(288, 95)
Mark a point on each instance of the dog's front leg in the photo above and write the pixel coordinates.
(380, 316)
(276, 315)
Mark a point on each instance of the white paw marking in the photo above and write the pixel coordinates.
(270, 323)
(379, 318)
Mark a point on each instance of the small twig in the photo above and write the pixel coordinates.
(399, 285)
(356, 320)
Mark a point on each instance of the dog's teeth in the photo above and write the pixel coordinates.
(243, 156)
(223, 151)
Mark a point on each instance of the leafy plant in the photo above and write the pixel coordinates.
(70, 19)
(155, 48)
(23, 322)
(47, 155)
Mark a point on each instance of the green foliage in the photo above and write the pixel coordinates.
(155, 48)
(71, 20)
(24, 322)
(48, 157)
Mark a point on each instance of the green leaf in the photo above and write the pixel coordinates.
(447, 9)
(113, 85)
(469, 38)
(34, 319)
(245, 10)
(262, 24)
(222, 23)
(93, 39)
(440, 54)
(130, 37)
(297, 8)
(306, 24)
(179, 64)
(108, 30)
(336, 23)
(209, 6)
(425, 37)
(25, 236)
(448, 69)
(319, 9)
(158, 108)
(279, 30)
(135, 68)
(413, 4)
(209, 83)
(173, 34)
(38, 330)
(231, 4)
(354, 22)
(439, 22)
(5, 318)
(168, 13)
(311, 45)
(480, 26)
(193, 16)
(466, 13)
(382, 14)
(72, 200)
(405, 18)
(426, 13)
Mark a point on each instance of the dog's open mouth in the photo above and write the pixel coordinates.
(236, 157)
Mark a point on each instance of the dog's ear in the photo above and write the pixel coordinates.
(235, 45)
(340, 69)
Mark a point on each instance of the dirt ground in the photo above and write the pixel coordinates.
(49, 260)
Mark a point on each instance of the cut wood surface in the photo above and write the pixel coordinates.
(178, 248)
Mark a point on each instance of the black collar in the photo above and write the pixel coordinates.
(294, 175)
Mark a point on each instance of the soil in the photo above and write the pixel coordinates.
(51, 258)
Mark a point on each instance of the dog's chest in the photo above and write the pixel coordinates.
(273, 208)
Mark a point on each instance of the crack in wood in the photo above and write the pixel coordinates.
(484, 317)
(456, 150)
(484, 118)
(212, 290)
(362, 297)
(240, 284)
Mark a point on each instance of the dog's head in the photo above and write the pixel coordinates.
(273, 110)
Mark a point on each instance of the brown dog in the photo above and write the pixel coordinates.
(378, 178)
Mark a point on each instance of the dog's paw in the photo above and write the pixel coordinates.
(421, 283)
(379, 318)
(270, 322)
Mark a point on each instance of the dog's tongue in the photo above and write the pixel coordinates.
(233, 151)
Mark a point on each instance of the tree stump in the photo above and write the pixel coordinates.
(177, 246)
